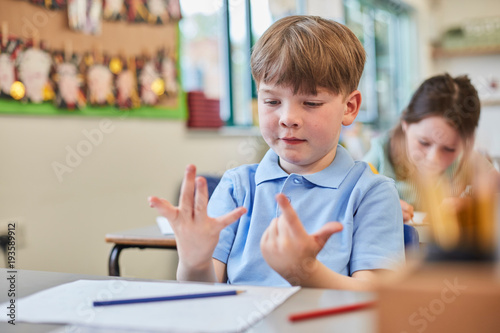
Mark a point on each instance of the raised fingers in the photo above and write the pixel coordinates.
(272, 230)
(289, 215)
(186, 199)
(269, 235)
(323, 234)
(200, 198)
(225, 220)
(164, 207)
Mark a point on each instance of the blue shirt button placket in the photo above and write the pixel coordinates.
(286, 189)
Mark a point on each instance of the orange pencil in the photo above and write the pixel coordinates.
(329, 311)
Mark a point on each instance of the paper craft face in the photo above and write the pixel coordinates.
(34, 67)
(157, 7)
(125, 86)
(100, 82)
(7, 75)
(148, 75)
(169, 74)
(113, 6)
(174, 9)
(85, 15)
(69, 85)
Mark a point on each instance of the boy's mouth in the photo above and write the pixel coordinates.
(292, 140)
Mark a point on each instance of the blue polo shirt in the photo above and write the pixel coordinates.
(367, 205)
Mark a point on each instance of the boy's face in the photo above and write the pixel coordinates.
(304, 129)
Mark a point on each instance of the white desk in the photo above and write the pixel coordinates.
(306, 299)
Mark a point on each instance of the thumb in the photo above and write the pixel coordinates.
(323, 234)
(231, 217)
(163, 207)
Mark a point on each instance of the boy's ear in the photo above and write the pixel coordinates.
(352, 105)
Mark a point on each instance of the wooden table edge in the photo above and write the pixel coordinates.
(127, 240)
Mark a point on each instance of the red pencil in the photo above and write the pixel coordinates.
(329, 311)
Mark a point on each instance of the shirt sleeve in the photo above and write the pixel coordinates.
(378, 240)
(222, 202)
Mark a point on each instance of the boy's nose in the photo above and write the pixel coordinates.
(290, 118)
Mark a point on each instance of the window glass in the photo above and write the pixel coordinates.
(241, 80)
(200, 29)
(387, 33)
(217, 37)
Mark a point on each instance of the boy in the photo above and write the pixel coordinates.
(307, 70)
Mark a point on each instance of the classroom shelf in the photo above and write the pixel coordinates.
(438, 52)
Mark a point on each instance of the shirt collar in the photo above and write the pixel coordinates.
(332, 176)
(269, 168)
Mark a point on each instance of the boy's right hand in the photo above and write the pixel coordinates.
(196, 233)
(407, 210)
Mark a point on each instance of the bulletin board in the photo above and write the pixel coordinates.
(125, 40)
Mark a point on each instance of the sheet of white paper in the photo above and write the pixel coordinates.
(418, 217)
(164, 226)
(71, 303)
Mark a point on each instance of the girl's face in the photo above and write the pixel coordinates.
(432, 145)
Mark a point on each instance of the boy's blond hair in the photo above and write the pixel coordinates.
(306, 52)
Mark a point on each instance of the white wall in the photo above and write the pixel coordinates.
(425, 23)
(434, 17)
(63, 220)
(455, 12)
(482, 69)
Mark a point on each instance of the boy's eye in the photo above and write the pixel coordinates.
(271, 102)
(313, 104)
(449, 150)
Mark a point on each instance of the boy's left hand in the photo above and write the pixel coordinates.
(287, 247)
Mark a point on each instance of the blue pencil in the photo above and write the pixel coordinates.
(167, 298)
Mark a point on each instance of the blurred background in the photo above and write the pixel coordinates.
(68, 178)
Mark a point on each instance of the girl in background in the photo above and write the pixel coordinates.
(433, 139)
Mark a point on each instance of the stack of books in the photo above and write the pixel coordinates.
(203, 112)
